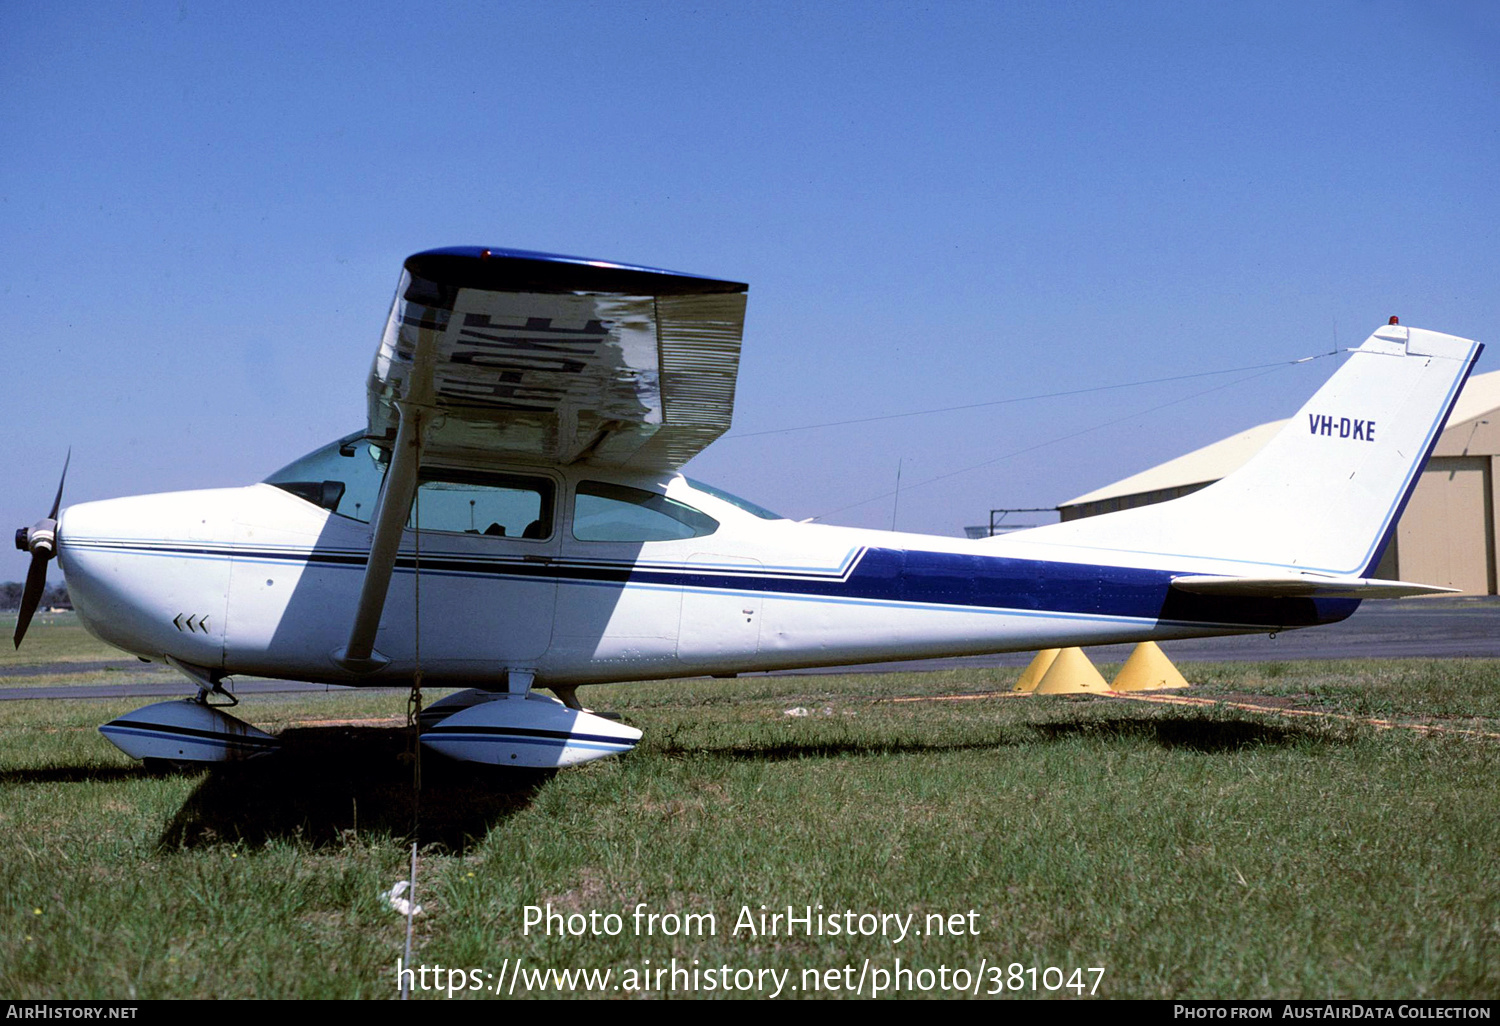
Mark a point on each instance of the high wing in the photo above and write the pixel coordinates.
(558, 359)
(496, 354)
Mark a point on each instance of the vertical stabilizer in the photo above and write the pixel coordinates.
(1325, 494)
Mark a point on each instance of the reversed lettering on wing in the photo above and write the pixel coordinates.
(517, 359)
(1341, 427)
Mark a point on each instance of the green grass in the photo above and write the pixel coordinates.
(1192, 852)
(1462, 691)
(53, 638)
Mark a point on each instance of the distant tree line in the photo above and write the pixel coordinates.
(10, 597)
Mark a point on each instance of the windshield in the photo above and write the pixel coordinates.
(735, 500)
(343, 477)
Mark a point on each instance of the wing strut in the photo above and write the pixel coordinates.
(359, 654)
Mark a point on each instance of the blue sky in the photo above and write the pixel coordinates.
(204, 208)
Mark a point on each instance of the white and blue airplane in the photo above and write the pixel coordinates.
(513, 516)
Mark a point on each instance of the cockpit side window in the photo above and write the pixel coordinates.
(478, 502)
(617, 513)
(343, 477)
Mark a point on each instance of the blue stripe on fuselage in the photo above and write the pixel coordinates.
(998, 582)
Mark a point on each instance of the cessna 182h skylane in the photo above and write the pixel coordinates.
(512, 516)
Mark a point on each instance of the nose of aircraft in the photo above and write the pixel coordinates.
(150, 574)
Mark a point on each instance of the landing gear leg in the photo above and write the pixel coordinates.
(569, 695)
(217, 688)
(210, 682)
(518, 682)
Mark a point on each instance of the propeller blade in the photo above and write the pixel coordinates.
(57, 502)
(36, 583)
(41, 539)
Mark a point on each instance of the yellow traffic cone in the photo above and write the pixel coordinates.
(1071, 673)
(1148, 669)
(1036, 670)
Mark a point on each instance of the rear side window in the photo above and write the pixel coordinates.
(617, 513)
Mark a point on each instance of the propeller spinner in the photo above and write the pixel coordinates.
(40, 539)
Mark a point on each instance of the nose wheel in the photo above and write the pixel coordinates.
(190, 730)
(187, 730)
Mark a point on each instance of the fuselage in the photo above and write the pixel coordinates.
(614, 577)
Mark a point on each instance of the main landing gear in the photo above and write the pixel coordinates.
(518, 727)
(515, 727)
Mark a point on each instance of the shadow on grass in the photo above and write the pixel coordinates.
(1196, 732)
(1193, 732)
(328, 784)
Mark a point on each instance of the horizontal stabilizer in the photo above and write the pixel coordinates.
(1302, 586)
